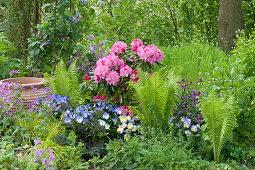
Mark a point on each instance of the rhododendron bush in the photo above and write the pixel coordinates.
(114, 70)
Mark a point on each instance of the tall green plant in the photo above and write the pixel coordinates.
(220, 121)
(156, 96)
(65, 82)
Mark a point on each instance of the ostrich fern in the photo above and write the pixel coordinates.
(220, 121)
(65, 82)
(156, 96)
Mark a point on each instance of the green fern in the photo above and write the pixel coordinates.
(65, 82)
(156, 96)
(220, 121)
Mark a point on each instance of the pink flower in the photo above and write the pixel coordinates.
(114, 60)
(125, 70)
(150, 54)
(103, 97)
(133, 74)
(136, 44)
(97, 78)
(123, 109)
(101, 71)
(97, 97)
(119, 48)
(87, 78)
(112, 78)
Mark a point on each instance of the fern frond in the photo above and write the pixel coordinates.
(220, 121)
(156, 96)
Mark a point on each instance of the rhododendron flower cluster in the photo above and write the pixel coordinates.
(119, 48)
(136, 44)
(110, 68)
(150, 54)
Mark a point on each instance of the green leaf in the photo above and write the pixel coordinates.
(68, 13)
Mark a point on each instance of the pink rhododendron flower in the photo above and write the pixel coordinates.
(150, 54)
(125, 70)
(136, 44)
(97, 78)
(110, 68)
(119, 48)
(112, 78)
(87, 78)
(133, 74)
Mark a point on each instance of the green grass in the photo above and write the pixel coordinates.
(193, 60)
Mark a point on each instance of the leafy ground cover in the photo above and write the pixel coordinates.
(115, 101)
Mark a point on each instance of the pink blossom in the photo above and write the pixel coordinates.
(133, 74)
(102, 71)
(97, 97)
(119, 48)
(87, 78)
(125, 70)
(103, 97)
(112, 78)
(136, 44)
(150, 54)
(97, 78)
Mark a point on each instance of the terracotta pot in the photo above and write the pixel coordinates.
(27, 83)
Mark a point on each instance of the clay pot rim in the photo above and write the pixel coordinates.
(41, 81)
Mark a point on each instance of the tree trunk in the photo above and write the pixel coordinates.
(36, 15)
(230, 21)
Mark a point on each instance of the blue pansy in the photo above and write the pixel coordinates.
(188, 120)
(85, 114)
(186, 124)
(171, 119)
(101, 122)
(66, 98)
(107, 126)
(79, 109)
(194, 128)
(87, 107)
(177, 125)
(117, 110)
(115, 120)
(79, 119)
(106, 115)
(67, 120)
(71, 115)
(187, 132)
(183, 118)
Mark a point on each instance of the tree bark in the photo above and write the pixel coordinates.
(36, 15)
(230, 21)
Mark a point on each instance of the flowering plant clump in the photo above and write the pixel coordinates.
(107, 118)
(111, 68)
(45, 157)
(115, 70)
(187, 116)
(52, 104)
(9, 95)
